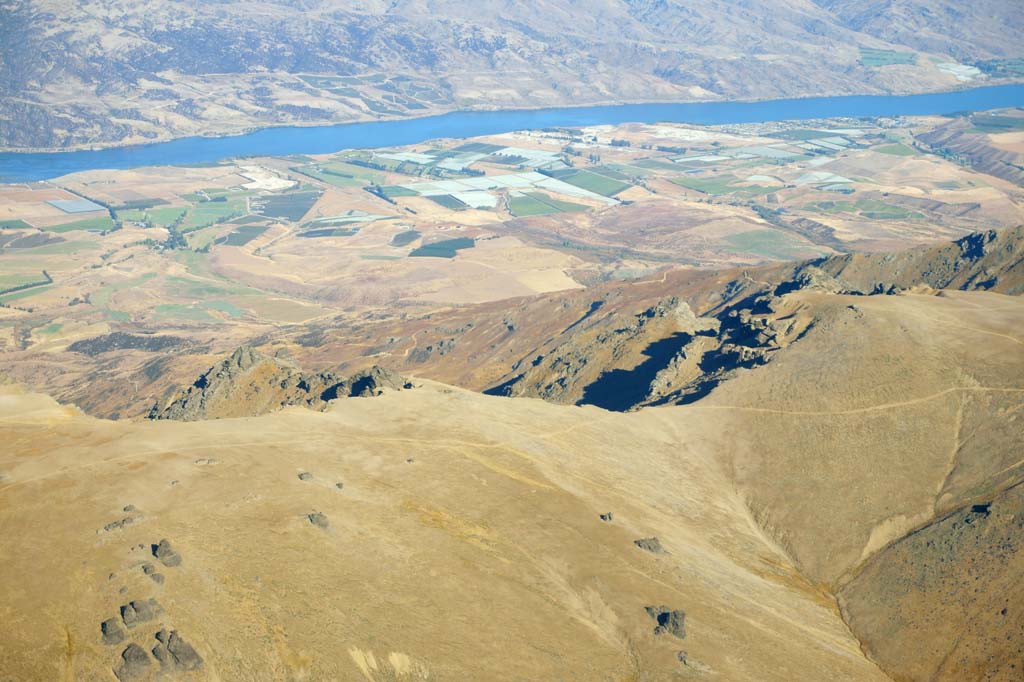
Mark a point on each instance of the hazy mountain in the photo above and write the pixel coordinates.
(87, 73)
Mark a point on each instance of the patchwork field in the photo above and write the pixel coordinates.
(225, 253)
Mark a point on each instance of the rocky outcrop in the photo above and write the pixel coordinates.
(249, 383)
(670, 355)
(666, 354)
(670, 621)
(989, 260)
(166, 554)
(135, 664)
(174, 653)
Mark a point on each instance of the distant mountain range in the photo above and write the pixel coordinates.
(106, 73)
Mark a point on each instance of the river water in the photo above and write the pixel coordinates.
(284, 141)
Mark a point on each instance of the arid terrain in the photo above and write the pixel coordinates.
(643, 403)
(87, 74)
(760, 533)
(395, 255)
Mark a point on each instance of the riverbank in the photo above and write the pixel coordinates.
(318, 139)
(236, 131)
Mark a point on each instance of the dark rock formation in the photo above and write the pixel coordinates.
(118, 525)
(166, 554)
(318, 519)
(669, 621)
(652, 545)
(174, 653)
(112, 631)
(248, 384)
(135, 664)
(135, 612)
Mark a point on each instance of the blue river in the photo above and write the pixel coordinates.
(284, 141)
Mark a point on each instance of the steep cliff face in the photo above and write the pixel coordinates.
(666, 354)
(248, 384)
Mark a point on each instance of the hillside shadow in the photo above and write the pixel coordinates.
(620, 389)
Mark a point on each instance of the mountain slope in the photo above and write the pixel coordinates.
(466, 540)
(465, 543)
(962, 30)
(95, 73)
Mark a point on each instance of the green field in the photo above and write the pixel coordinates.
(50, 329)
(563, 206)
(538, 203)
(392, 191)
(197, 312)
(528, 206)
(341, 174)
(204, 289)
(610, 172)
(898, 149)
(443, 249)
(592, 182)
(101, 298)
(14, 280)
(874, 58)
(335, 179)
(98, 223)
(14, 224)
(719, 185)
(448, 201)
(208, 213)
(134, 215)
(767, 244)
(24, 293)
(63, 248)
(165, 216)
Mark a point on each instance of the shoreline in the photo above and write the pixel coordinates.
(435, 113)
